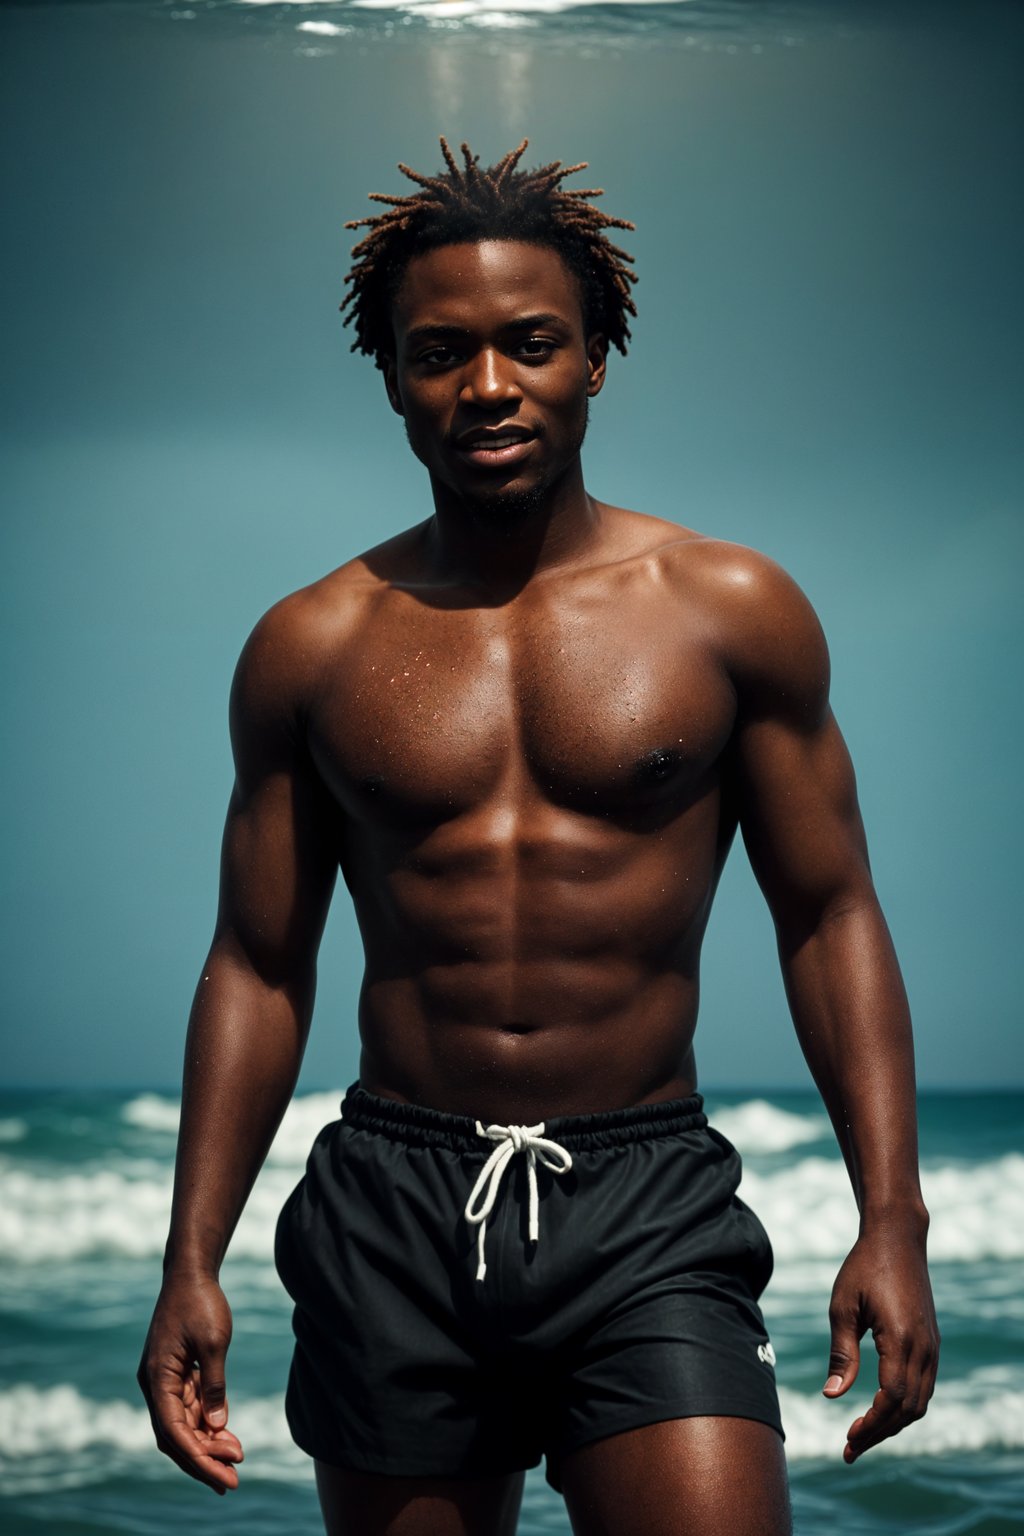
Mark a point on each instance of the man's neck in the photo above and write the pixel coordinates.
(502, 548)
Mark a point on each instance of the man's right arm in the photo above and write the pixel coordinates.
(246, 1035)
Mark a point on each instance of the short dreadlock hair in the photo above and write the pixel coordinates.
(470, 203)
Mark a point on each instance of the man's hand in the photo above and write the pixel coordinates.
(883, 1285)
(182, 1379)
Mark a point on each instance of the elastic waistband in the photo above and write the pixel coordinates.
(417, 1126)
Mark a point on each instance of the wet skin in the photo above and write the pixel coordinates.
(526, 731)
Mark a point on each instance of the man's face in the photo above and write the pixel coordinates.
(492, 370)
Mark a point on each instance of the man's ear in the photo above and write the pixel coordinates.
(597, 362)
(390, 373)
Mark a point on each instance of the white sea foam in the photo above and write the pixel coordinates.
(32, 1416)
(467, 7)
(122, 1207)
(977, 1212)
(982, 1209)
(13, 1130)
(304, 1117)
(982, 1411)
(758, 1126)
(151, 1112)
(50, 1436)
(808, 1209)
(43, 1429)
(44, 1219)
(471, 8)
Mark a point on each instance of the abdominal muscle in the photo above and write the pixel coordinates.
(516, 983)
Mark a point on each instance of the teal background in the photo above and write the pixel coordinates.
(827, 365)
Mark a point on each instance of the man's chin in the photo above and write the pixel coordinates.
(508, 505)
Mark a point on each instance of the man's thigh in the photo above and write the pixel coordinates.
(708, 1476)
(363, 1504)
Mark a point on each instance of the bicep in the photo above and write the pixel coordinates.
(279, 856)
(799, 817)
(279, 860)
(795, 791)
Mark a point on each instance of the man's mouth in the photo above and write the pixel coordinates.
(494, 447)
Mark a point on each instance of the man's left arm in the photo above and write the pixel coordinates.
(802, 828)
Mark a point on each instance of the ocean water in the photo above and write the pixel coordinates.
(86, 1182)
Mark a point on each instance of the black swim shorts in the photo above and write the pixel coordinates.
(635, 1300)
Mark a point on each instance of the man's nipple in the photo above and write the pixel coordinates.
(659, 765)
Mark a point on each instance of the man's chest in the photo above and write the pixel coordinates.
(593, 708)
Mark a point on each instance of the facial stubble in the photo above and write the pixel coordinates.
(507, 509)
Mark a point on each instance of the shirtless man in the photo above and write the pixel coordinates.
(526, 730)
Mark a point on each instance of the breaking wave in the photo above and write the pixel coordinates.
(755, 1126)
(758, 1126)
(122, 1207)
(45, 1428)
(304, 1117)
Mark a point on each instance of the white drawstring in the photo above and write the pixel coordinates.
(510, 1139)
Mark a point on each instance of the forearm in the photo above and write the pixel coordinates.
(850, 1010)
(244, 1048)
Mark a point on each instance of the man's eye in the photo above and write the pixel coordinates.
(438, 357)
(537, 346)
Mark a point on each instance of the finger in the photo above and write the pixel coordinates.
(217, 1442)
(844, 1357)
(225, 1450)
(906, 1382)
(195, 1454)
(213, 1442)
(203, 1453)
(213, 1386)
(866, 1432)
(906, 1378)
(929, 1365)
(887, 1415)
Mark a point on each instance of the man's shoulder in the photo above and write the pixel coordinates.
(758, 619)
(315, 619)
(739, 579)
(691, 555)
(299, 637)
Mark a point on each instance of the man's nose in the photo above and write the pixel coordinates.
(490, 378)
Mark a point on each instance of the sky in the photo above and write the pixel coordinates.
(827, 365)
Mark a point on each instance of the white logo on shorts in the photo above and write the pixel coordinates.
(766, 1354)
